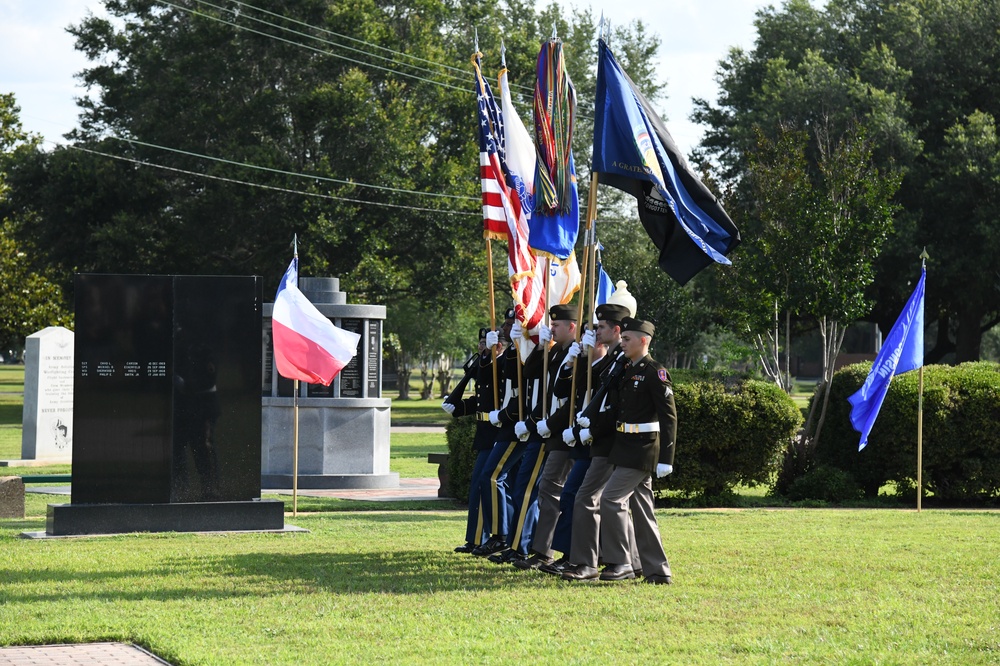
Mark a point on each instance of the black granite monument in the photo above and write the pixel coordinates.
(167, 407)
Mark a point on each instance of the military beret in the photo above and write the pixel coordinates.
(509, 314)
(611, 312)
(562, 313)
(483, 332)
(638, 326)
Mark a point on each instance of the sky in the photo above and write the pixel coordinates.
(38, 61)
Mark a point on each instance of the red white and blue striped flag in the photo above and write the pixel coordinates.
(505, 216)
(307, 346)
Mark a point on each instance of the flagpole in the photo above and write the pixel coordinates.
(545, 351)
(592, 295)
(295, 450)
(493, 320)
(920, 412)
(589, 272)
(295, 405)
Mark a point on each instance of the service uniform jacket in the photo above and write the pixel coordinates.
(603, 413)
(564, 386)
(508, 395)
(532, 370)
(645, 395)
(481, 402)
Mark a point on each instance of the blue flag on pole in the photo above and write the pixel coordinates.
(634, 152)
(903, 350)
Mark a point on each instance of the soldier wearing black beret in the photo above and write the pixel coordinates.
(644, 445)
(557, 461)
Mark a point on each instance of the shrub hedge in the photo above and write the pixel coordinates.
(459, 434)
(961, 432)
(727, 434)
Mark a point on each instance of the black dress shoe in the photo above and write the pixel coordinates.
(493, 545)
(658, 579)
(467, 548)
(555, 568)
(617, 572)
(506, 556)
(579, 572)
(533, 562)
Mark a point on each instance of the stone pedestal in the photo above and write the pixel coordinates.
(344, 427)
(47, 418)
(11, 497)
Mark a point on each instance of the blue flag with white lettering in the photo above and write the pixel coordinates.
(903, 350)
(634, 152)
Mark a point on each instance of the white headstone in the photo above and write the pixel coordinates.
(48, 395)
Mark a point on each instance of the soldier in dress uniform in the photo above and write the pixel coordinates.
(479, 369)
(557, 461)
(644, 445)
(596, 429)
(497, 506)
(578, 453)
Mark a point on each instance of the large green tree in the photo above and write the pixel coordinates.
(912, 72)
(29, 300)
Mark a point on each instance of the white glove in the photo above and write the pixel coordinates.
(521, 430)
(544, 334)
(492, 339)
(543, 429)
(662, 469)
(516, 332)
(568, 437)
(585, 435)
(495, 417)
(583, 421)
(589, 339)
(573, 351)
(448, 407)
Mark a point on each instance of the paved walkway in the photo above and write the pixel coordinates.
(81, 654)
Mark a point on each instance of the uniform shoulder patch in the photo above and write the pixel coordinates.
(662, 373)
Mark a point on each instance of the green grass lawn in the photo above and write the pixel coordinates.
(751, 587)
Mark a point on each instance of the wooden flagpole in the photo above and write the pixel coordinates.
(920, 440)
(545, 351)
(920, 412)
(588, 270)
(493, 319)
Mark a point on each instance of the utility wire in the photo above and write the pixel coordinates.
(521, 87)
(267, 187)
(460, 75)
(296, 174)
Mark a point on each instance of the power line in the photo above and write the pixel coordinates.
(195, 12)
(265, 187)
(521, 87)
(296, 174)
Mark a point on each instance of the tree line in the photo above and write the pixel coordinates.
(845, 140)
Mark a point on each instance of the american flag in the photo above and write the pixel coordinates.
(504, 217)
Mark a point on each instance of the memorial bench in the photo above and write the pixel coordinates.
(441, 460)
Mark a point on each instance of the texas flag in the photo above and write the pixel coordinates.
(307, 346)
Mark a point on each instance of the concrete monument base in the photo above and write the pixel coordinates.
(343, 443)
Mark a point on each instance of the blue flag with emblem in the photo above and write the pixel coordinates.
(903, 350)
(634, 152)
